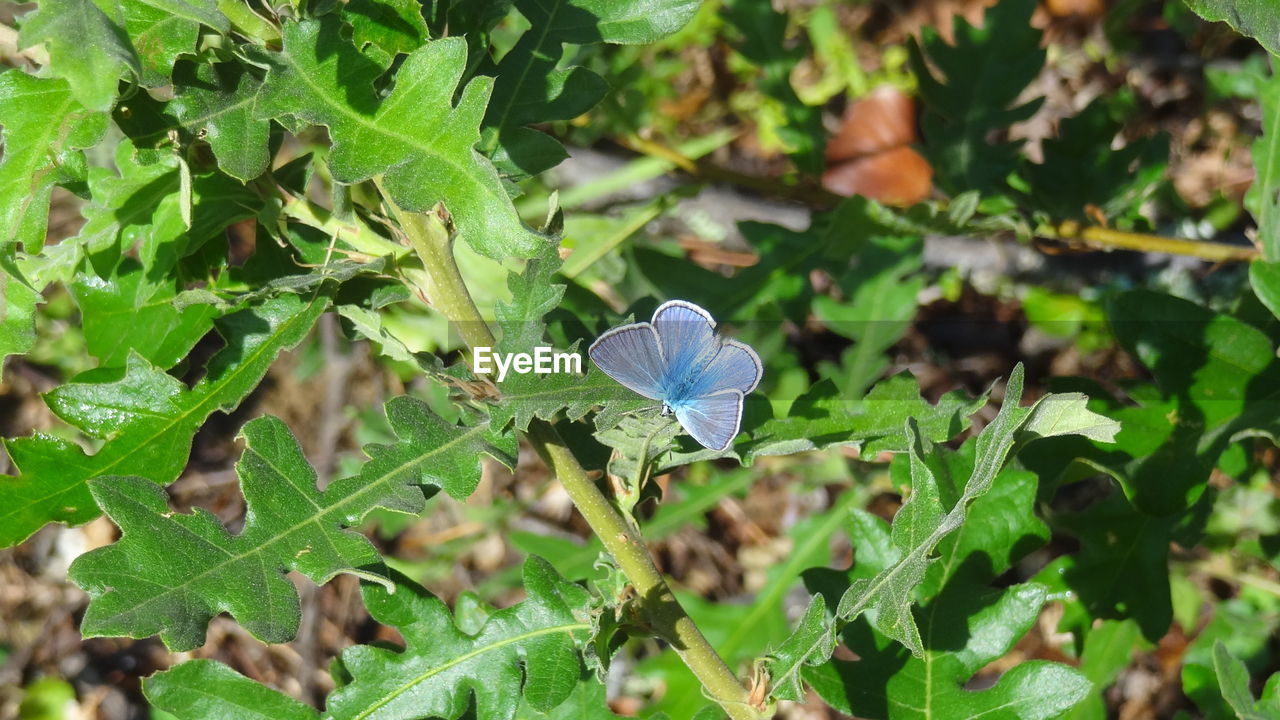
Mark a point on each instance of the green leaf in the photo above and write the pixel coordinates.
(1121, 570)
(530, 87)
(416, 139)
(161, 30)
(637, 442)
(588, 702)
(1217, 378)
(392, 26)
(534, 294)
(1107, 651)
(49, 698)
(1243, 628)
(980, 79)
(1255, 18)
(202, 689)
(963, 632)
(86, 47)
(1233, 679)
(823, 418)
(1263, 198)
(1264, 276)
(45, 128)
(170, 573)
(1000, 528)
(145, 417)
(529, 649)
(879, 304)
(369, 324)
(812, 642)
(217, 103)
(145, 207)
(123, 315)
(17, 316)
(122, 206)
(1068, 414)
(525, 397)
(919, 527)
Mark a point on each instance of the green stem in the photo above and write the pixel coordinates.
(1102, 237)
(660, 606)
(248, 23)
(429, 236)
(354, 233)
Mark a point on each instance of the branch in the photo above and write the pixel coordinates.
(1068, 231)
(1106, 238)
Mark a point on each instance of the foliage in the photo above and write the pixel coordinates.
(1249, 17)
(264, 188)
(145, 418)
(137, 591)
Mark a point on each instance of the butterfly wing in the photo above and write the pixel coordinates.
(686, 334)
(713, 420)
(735, 366)
(630, 355)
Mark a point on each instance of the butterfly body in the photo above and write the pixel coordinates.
(678, 360)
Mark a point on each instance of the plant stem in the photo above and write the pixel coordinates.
(1069, 230)
(659, 604)
(354, 233)
(429, 236)
(248, 23)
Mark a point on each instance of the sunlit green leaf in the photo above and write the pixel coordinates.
(529, 650)
(919, 527)
(87, 47)
(416, 139)
(145, 418)
(201, 689)
(1107, 651)
(824, 417)
(962, 633)
(123, 315)
(161, 30)
(217, 104)
(45, 128)
(531, 87)
(170, 573)
(17, 316)
(1255, 18)
(534, 293)
(392, 26)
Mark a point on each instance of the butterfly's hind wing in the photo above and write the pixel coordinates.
(735, 366)
(713, 420)
(630, 355)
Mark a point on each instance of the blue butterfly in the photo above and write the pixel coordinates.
(678, 359)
